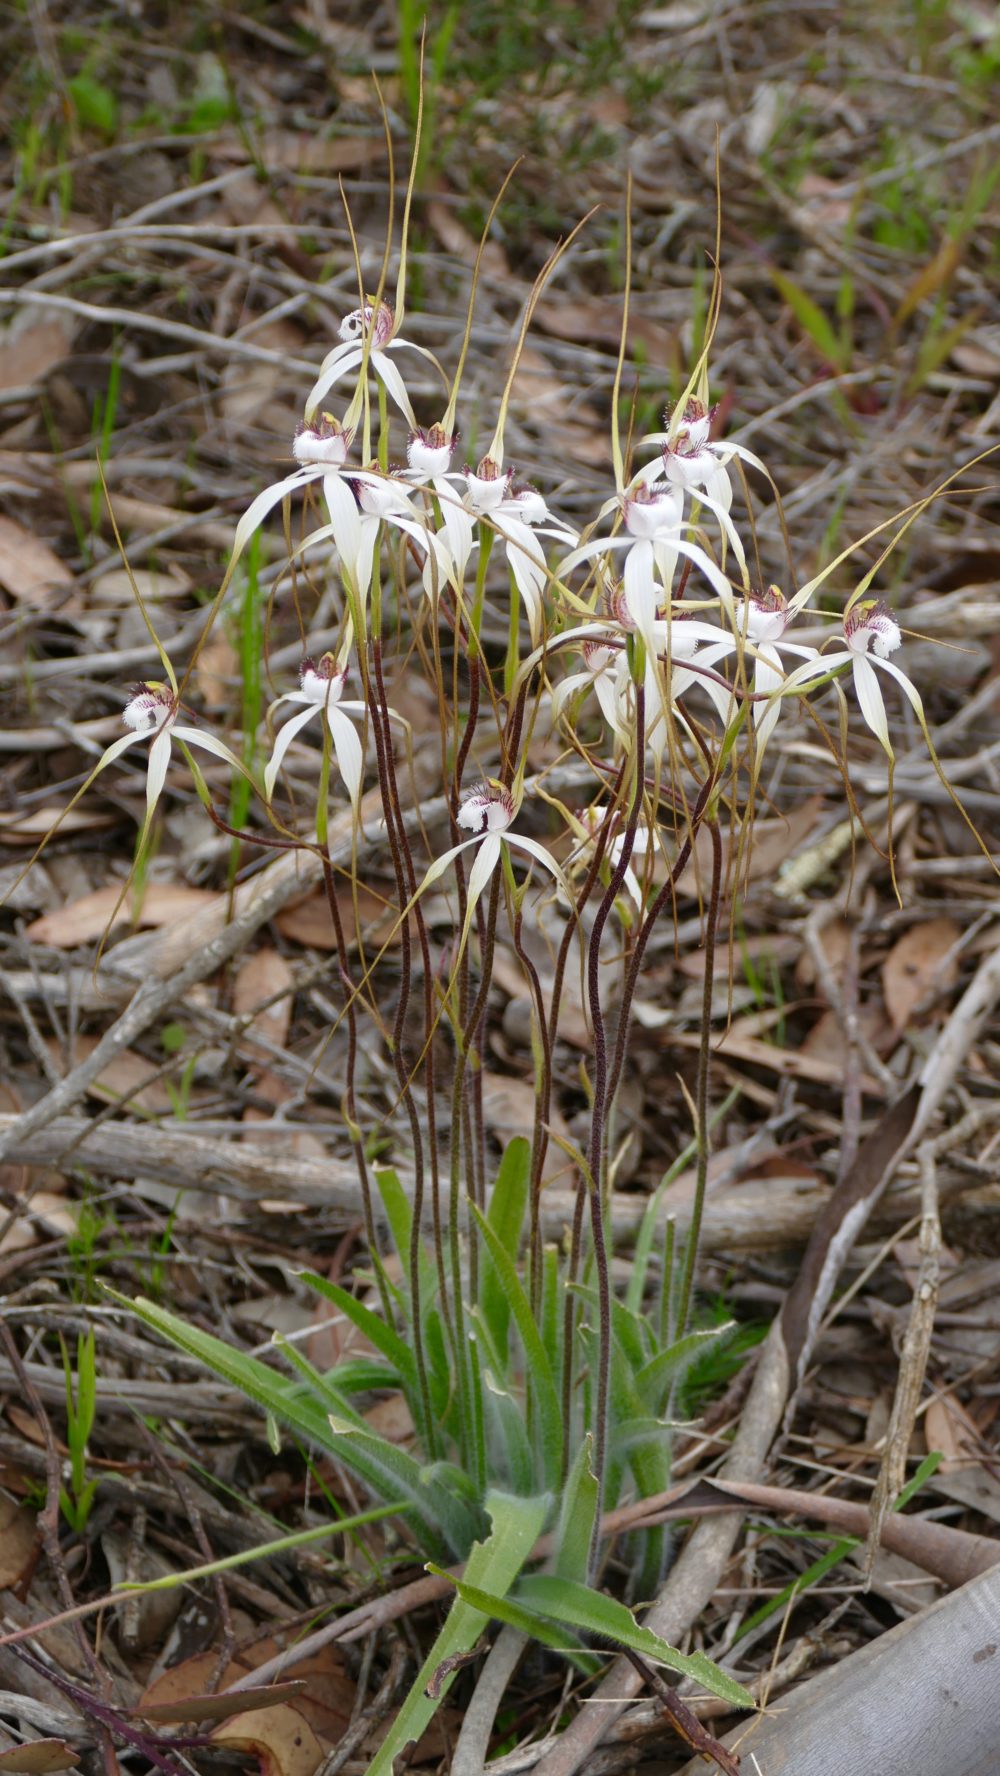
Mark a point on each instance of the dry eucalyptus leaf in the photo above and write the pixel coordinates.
(29, 570)
(18, 1541)
(80, 921)
(221, 1707)
(259, 978)
(27, 829)
(922, 962)
(38, 1757)
(127, 1074)
(46, 1216)
(281, 1740)
(28, 352)
(948, 1427)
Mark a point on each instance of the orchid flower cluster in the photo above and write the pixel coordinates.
(532, 738)
(598, 701)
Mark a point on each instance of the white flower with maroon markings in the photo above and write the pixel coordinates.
(321, 450)
(603, 666)
(487, 812)
(151, 712)
(653, 543)
(871, 634)
(372, 329)
(320, 694)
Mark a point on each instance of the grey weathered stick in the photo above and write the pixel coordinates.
(919, 1701)
(221, 937)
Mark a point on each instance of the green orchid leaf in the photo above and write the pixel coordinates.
(492, 1567)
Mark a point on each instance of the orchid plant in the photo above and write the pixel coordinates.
(613, 689)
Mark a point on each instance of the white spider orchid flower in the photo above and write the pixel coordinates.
(651, 536)
(373, 326)
(487, 813)
(152, 710)
(358, 504)
(519, 520)
(762, 620)
(429, 453)
(871, 634)
(320, 449)
(697, 467)
(602, 667)
(320, 693)
(587, 825)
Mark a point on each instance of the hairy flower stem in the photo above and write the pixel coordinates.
(649, 923)
(576, 1238)
(598, 1124)
(349, 1101)
(543, 1096)
(402, 861)
(701, 1085)
(458, 1107)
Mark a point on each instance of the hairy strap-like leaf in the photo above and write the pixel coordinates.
(492, 1566)
(540, 1378)
(580, 1607)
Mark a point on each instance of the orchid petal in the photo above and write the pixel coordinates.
(596, 546)
(208, 743)
(265, 502)
(394, 384)
(340, 360)
(347, 746)
(870, 701)
(282, 742)
(156, 771)
(345, 519)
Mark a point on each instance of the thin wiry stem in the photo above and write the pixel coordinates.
(701, 1086)
(596, 1179)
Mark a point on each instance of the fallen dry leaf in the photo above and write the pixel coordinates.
(215, 1707)
(457, 240)
(26, 356)
(27, 829)
(281, 1740)
(305, 151)
(39, 1757)
(29, 570)
(53, 1218)
(773, 841)
(127, 1075)
(922, 962)
(18, 1542)
(509, 1110)
(260, 977)
(80, 921)
(308, 921)
(826, 1041)
(948, 1427)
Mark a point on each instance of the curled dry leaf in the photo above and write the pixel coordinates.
(948, 1427)
(281, 1740)
(28, 352)
(921, 963)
